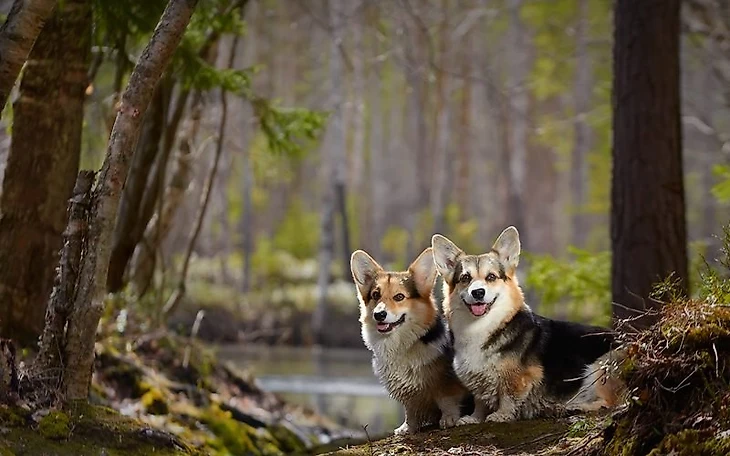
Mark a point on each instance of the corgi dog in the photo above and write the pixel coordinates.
(402, 327)
(518, 364)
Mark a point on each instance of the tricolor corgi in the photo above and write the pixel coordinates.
(517, 364)
(412, 353)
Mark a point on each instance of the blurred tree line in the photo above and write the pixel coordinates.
(458, 117)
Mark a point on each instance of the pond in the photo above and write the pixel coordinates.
(337, 383)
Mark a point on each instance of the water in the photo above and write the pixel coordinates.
(338, 383)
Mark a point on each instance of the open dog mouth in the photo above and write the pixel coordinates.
(384, 327)
(480, 308)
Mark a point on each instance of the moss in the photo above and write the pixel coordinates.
(623, 443)
(93, 431)
(55, 425)
(154, 402)
(526, 436)
(691, 442)
(13, 416)
(288, 441)
(231, 436)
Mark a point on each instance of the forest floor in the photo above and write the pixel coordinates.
(678, 400)
(530, 437)
(162, 394)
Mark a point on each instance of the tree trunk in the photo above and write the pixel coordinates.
(17, 36)
(41, 168)
(648, 231)
(582, 131)
(91, 291)
(335, 161)
(147, 150)
(143, 261)
(441, 126)
(518, 109)
(50, 360)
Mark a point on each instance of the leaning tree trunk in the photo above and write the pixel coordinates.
(146, 153)
(41, 168)
(89, 302)
(17, 35)
(648, 231)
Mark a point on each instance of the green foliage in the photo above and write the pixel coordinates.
(298, 233)
(288, 131)
(721, 190)
(582, 284)
(714, 286)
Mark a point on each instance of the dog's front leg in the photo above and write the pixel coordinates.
(480, 412)
(508, 409)
(410, 425)
(450, 411)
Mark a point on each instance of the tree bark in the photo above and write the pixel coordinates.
(648, 228)
(50, 360)
(89, 302)
(17, 36)
(41, 168)
(147, 150)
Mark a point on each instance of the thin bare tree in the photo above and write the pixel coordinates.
(89, 302)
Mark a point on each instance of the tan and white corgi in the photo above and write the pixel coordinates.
(412, 353)
(517, 364)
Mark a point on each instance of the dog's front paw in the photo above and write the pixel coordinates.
(403, 429)
(498, 417)
(468, 419)
(448, 421)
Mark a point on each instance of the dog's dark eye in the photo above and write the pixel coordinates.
(466, 277)
(399, 297)
(491, 277)
(376, 295)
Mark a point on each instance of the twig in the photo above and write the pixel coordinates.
(193, 334)
(367, 436)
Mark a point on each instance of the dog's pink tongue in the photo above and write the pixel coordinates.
(383, 326)
(478, 309)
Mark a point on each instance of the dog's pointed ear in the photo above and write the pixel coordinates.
(445, 256)
(364, 271)
(423, 271)
(508, 246)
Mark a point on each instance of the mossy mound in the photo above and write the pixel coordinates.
(170, 384)
(83, 430)
(521, 437)
(677, 375)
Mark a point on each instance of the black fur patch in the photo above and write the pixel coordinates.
(502, 273)
(562, 348)
(434, 332)
(457, 274)
(411, 290)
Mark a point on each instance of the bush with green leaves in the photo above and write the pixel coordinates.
(578, 288)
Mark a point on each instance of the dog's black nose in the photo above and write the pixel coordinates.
(380, 316)
(478, 293)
